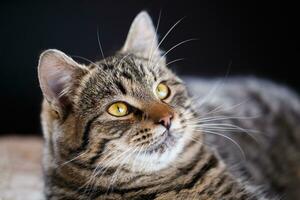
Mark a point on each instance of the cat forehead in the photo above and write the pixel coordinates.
(117, 75)
(129, 67)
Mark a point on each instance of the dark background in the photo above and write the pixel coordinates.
(248, 36)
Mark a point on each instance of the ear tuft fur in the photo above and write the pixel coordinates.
(56, 71)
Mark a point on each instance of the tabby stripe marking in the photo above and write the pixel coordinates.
(153, 74)
(211, 163)
(214, 188)
(126, 75)
(142, 70)
(85, 136)
(121, 87)
(101, 148)
(97, 155)
(97, 191)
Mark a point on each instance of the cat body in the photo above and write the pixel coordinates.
(126, 128)
(263, 118)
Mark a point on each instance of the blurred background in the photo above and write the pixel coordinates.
(245, 35)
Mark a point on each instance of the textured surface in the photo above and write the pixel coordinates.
(20, 168)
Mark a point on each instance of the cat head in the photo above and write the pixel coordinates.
(128, 109)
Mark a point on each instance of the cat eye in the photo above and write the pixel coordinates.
(162, 91)
(118, 109)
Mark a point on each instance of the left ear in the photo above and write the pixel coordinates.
(57, 73)
(142, 38)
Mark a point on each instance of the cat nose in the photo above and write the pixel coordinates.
(160, 114)
(166, 121)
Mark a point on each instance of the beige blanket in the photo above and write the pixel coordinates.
(20, 168)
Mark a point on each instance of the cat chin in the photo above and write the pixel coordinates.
(160, 158)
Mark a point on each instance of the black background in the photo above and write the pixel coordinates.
(248, 35)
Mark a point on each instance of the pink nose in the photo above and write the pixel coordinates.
(166, 121)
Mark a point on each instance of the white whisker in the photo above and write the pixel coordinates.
(172, 48)
(83, 58)
(105, 166)
(121, 164)
(230, 139)
(168, 33)
(76, 157)
(173, 61)
(100, 46)
(153, 39)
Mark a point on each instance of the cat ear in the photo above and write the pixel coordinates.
(142, 38)
(56, 72)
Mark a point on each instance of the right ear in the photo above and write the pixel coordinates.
(57, 72)
(142, 39)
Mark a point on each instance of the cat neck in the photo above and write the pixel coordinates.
(200, 174)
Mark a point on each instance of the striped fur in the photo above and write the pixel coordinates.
(90, 154)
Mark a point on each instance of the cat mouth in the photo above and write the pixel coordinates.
(165, 141)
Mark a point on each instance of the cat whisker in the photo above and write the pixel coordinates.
(225, 128)
(95, 173)
(83, 58)
(100, 46)
(121, 164)
(232, 130)
(172, 48)
(90, 182)
(168, 32)
(202, 123)
(229, 127)
(222, 125)
(202, 119)
(69, 161)
(173, 61)
(223, 117)
(200, 141)
(153, 39)
(219, 108)
(229, 138)
(140, 150)
(111, 162)
(104, 168)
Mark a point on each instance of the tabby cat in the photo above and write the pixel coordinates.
(126, 128)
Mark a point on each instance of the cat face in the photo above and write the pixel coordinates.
(127, 110)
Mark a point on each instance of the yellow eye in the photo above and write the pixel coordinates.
(162, 91)
(118, 109)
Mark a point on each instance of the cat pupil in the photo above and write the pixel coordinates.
(120, 109)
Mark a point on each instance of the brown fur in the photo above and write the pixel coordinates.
(90, 154)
